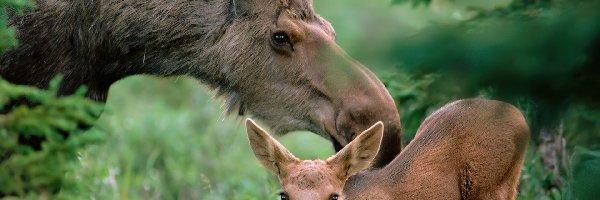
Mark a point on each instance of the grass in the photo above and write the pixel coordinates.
(167, 139)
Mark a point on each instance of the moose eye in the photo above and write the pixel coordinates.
(334, 197)
(283, 196)
(281, 38)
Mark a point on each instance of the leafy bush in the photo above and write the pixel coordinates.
(60, 122)
(40, 132)
(7, 34)
(539, 55)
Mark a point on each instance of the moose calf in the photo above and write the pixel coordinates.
(468, 149)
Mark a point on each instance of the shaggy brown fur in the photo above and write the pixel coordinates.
(308, 83)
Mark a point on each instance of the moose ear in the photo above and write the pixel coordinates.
(269, 152)
(358, 154)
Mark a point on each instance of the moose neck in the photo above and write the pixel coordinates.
(100, 42)
(167, 39)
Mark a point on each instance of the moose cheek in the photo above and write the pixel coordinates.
(283, 49)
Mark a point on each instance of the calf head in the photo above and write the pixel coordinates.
(314, 179)
(293, 76)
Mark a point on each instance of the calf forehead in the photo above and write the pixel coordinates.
(310, 175)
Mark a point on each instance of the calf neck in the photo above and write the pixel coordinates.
(468, 149)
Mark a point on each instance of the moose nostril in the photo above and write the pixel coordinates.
(336, 145)
(349, 135)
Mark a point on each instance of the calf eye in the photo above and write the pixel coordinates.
(334, 197)
(283, 196)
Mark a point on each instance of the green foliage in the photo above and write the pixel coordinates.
(539, 55)
(586, 173)
(58, 122)
(549, 56)
(582, 127)
(536, 183)
(414, 2)
(27, 172)
(168, 139)
(7, 34)
(416, 98)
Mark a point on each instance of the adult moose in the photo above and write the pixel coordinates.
(273, 59)
(468, 149)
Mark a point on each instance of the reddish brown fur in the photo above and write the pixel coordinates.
(314, 179)
(468, 149)
(310, 84)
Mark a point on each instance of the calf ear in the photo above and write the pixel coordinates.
(358, 154)
(269, 152)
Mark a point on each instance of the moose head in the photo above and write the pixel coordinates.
(290, 74)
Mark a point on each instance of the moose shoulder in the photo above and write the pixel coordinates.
(273, 59)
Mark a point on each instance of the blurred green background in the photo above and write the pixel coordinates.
(167, 138)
